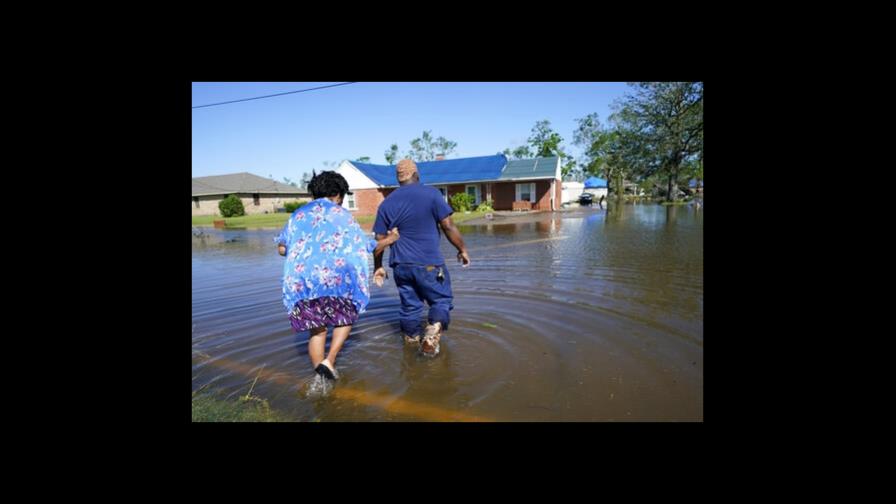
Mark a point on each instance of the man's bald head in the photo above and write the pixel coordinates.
(406, 170)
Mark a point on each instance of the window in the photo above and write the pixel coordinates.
(196, 201)
(473, 190)
(350, 201)
(444, 192)
(256, 199)
(525, 192)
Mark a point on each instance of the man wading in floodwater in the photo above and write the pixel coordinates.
(417, 264)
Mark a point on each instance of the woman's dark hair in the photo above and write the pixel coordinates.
(326, 184)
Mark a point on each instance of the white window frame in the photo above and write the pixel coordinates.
(478, 192)
(444, 191)
(519, 191)
(350, 203)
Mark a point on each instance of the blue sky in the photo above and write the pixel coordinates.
(286, 136)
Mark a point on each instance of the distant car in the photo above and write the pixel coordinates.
(586, 199)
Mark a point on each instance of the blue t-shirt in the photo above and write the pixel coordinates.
(415, 209)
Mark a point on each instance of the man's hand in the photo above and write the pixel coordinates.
(379, 275)
(281, 249)
(463, 258)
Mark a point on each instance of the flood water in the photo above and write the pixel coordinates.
(585, 315)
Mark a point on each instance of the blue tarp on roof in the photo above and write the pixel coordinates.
(694, 183)
(446, 171)
(380, 174)
(595, 182)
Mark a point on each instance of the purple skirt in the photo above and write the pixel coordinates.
(322, 312)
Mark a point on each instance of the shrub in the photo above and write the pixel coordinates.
(292, 205)
(486, 206)
(231, 206)
(461, 202)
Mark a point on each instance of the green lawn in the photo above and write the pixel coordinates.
(279, 219)
(275, 220)
(459, 217)
(208, 408)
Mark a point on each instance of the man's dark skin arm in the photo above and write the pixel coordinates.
(456, 239)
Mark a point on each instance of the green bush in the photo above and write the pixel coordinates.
(292, 205)
(231, 206)
(461, 202)
(486, 206)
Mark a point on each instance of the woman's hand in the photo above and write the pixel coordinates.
(379, 275)
(392, 236)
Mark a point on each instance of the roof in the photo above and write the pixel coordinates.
(693, 183)
(243, 182)
(595, 182)
(471, 169)
(545, 167)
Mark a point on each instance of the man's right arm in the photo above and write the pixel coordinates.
(454, 236)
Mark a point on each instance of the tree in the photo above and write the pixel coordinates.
(364, 159)
(392, 154)
(522, 152)
(546, 143)
(289, 181)
(665, 120)
(590, 136)
(544, 140)
(425, 148)
(692, 169)
(587, 131)
(607, 150)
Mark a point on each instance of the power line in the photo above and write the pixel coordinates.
(269, 96)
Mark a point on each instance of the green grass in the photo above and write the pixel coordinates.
(208, 408)
(257, 220)
(274, 220)
(458, 217)
(277, 220)
(204, 220)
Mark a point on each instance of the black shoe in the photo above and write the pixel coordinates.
(323, 370)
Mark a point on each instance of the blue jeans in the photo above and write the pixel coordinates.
(415, 285)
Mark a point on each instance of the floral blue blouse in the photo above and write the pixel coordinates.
(326, 255)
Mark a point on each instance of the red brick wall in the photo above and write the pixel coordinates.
(368, 200)
(558, 198)
(503, 193)
(542, 195)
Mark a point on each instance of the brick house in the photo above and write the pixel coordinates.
(527, 183)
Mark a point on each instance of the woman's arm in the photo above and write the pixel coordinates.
(384, 242)
(379, 273)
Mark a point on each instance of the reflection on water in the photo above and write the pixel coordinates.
(592, 314)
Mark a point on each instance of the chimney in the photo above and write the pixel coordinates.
(440, 157)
